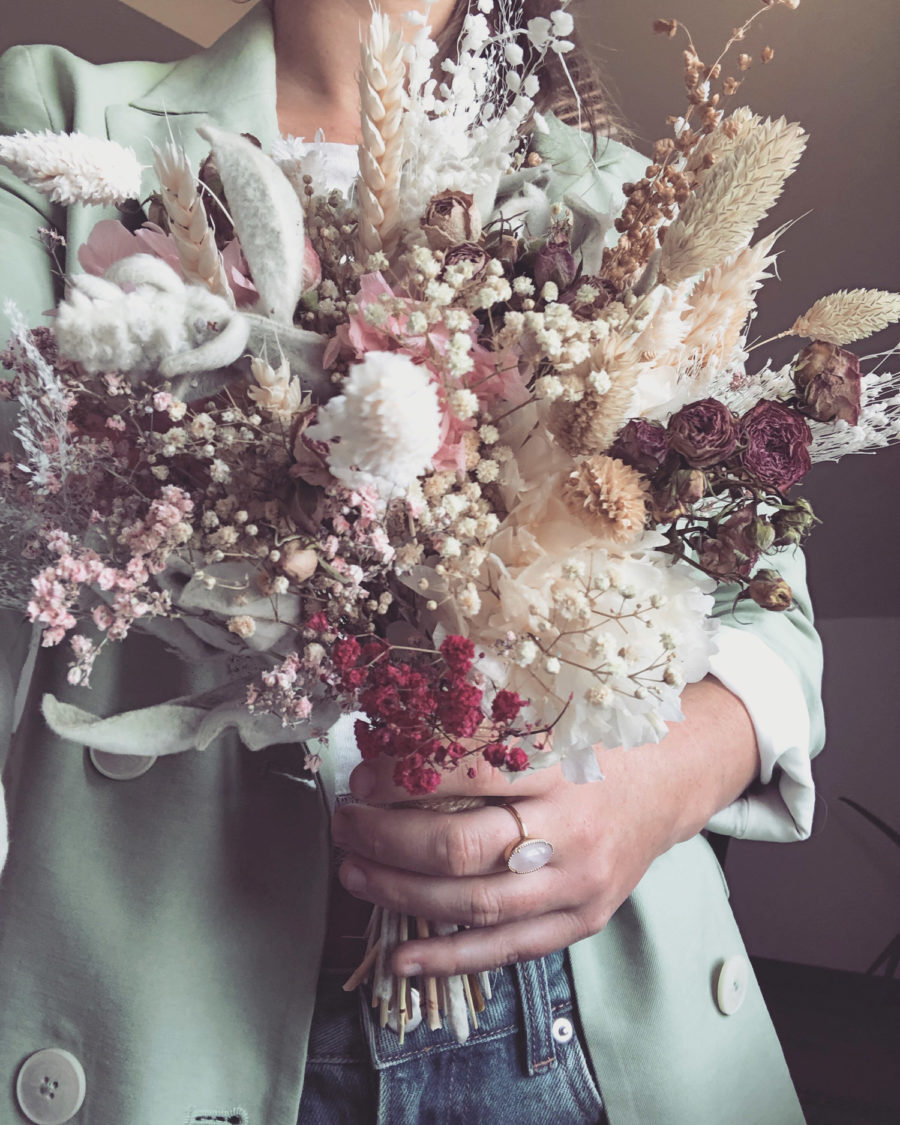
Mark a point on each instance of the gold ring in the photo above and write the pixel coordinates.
(526, 853)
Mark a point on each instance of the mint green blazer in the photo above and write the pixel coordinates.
(167, 930)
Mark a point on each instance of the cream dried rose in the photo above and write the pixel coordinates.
(450, 218)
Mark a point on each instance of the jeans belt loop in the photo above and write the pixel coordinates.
(537, 1015)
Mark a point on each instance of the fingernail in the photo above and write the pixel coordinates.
(362, 781)
(353, 878)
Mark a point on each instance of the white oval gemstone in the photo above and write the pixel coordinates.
(529, 856)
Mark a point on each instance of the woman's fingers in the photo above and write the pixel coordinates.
(472, 951)
(482, 900)
(432, 843)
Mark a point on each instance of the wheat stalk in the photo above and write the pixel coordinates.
(188, 222)
(73, 168)
(848, 315)
(733, 197)
(382, 103)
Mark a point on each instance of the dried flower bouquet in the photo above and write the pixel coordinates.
(453, 452)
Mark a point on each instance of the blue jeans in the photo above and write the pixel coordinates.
(524, 1065)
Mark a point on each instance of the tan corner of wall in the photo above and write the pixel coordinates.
(201, 20)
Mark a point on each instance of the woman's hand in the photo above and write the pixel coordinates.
(451, 867)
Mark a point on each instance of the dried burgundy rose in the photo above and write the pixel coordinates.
(467, 252)
(704, 433)
(641, 444)
(450, 218)
(555, 262)
(776, 444)
(827, 379)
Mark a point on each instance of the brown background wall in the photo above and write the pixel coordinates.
(832, 901)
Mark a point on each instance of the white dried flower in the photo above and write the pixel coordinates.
(387, 420)
(276, 390)
(73, 168)
(242, 626)
(463, 403)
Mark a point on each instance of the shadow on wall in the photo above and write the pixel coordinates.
(826, 903)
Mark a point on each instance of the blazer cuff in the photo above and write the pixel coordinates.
(780, 806)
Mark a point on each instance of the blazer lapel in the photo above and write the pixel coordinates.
(231, 84)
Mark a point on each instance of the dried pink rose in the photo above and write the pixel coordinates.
(827, 379)
(703, 432)
(450, 218)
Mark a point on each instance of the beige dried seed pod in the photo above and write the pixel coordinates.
(848, 315)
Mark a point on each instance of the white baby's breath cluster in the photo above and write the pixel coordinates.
(604, 642)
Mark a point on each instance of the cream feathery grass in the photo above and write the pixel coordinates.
(590, 426)
(189, 225)
(732, 198)
(382, 103)
(728, 134)
(73, 168)
(848, 315)
(721, 302)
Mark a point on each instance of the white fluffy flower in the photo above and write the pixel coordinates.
(386, 425)
(154, 327)
(72, 167)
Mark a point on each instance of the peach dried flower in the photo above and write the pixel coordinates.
(609, 496)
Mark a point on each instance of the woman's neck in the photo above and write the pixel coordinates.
(317, 53)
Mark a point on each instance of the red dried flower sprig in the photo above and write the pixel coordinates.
(424, 711)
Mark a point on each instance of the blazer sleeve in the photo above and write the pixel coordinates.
(774, 665)
(26, 277)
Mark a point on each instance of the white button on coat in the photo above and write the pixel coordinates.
(120, 767)
(51, 1086)
(562, 1030)
(731, 987)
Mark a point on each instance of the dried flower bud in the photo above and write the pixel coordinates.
(469, 252)
(827, 379)
(505, 248)
(451, 218)
(767, 54)
(769, 590)
(689, 486)
(585, 304)
(666, 27)
(744, 61)
(793, 524)
(555, 262)
(299, 562)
